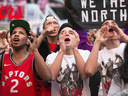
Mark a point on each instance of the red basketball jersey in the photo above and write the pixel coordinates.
(18, 80)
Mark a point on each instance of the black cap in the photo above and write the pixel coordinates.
(19, 23)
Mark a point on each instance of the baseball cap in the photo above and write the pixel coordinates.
(19, 23)
(48, 17)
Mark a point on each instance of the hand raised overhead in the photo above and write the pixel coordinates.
(33, 45)
(3, 41)
(77, 40)
(62, 42)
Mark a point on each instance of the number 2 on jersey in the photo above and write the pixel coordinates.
(15, 85)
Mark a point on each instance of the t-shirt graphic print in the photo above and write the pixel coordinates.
(71, 84)
(109, 70)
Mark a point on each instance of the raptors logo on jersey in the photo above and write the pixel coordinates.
(16, 74)
(17, 79)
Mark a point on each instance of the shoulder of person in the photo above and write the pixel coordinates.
(123, 44)
(104, 49)
(81, 51)
(53, 54)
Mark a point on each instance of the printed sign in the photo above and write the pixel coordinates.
(88, 14)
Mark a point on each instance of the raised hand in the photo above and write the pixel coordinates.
(49, 30)
(100, 35)
(3, 34)
(120, 34)
(3, 41)
(77, 40)
(62, 42)
(33, 45)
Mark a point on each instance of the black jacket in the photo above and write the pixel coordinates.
(44, 51)
(44, 48)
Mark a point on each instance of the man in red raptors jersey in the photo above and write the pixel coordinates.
(19, 69)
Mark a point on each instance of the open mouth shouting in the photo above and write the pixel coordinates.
(110, 30)
(67, 40)
(16, 40)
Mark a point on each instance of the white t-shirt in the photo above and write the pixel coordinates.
(69, 80)
(109, 61)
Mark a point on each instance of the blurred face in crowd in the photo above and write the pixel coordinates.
(52, 22)
(90, 35)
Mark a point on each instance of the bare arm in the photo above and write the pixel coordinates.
(44, 33)
(92, 62)
(40, 39)
(3, 43)
(56, 65)
(120, 34)
(40, 66)
(80, 63)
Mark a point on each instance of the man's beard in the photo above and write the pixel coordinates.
(19, 47)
